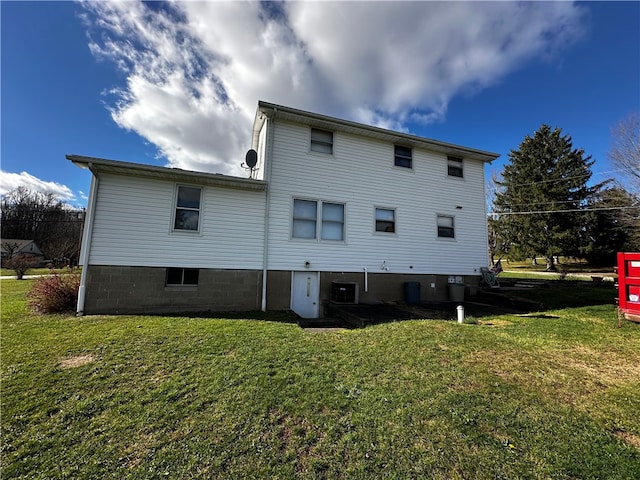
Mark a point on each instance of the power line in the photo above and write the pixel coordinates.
(563, 211)
(539, 182)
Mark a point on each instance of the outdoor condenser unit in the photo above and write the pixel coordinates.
(344, 292)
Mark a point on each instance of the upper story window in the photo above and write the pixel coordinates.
(402, 157)
(305, 220)
(187, 216)
(321, 141)
(445, 226)
(454, 167)
(385, 220)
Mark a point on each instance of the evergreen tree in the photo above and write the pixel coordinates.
(541, 196)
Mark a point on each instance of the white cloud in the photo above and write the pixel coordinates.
(11, 181)
(195, 70)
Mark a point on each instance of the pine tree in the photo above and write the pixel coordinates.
(541, 194)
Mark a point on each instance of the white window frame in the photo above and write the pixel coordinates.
(375, 221)
(177, 207)
(304, 219)
(320, 222)
(402, 157)
(331, 222)
(452, 227)
(321, 145)
(455, 164)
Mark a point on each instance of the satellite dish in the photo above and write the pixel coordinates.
(251, 159)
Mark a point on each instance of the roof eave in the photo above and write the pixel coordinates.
(323, 121)
(101, 165)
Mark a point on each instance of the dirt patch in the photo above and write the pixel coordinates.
(75, 362)
(629, 438)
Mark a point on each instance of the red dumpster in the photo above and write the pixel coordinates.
(629, 285)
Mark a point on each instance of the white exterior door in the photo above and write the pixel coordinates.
(305, 294)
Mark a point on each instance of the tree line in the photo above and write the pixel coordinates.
(544, 203)
(52, 224)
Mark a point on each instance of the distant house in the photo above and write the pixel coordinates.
(335, 211)
(10, 247)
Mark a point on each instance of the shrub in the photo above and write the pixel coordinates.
(54, 293)
(20, 264)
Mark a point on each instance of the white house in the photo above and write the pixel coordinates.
(335, 211)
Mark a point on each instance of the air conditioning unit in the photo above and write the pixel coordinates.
(344, 292)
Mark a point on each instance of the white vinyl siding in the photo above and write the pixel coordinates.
(231, 226)
(358, 176)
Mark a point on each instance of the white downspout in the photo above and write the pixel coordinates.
(265, 246)
(87, 233)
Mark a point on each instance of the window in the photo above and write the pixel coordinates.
(385, 220)
(454, 167)
(305, 220)
(187, 209)
(402, 156)
(305, 214)
(182, 276)
(321, 141)
(332, 221)
(445, 226)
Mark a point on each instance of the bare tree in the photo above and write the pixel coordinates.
(625, 156)
(54, 226)
(625, 152)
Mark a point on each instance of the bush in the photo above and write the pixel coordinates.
(54, 293)
(21, 264)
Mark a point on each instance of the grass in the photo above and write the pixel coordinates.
(578, 268)
(553, 394)
(7, 272)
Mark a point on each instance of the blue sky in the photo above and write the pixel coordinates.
(178, 84)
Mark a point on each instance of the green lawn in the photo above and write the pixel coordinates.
(7, 272)
(548, 395)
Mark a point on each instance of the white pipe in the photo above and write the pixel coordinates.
(270, 125)
(366, 279)
(460, 310)
(86, 241)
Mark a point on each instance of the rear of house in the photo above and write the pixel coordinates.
(357, 212)
(338, 211)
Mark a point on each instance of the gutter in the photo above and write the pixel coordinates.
(87, 234)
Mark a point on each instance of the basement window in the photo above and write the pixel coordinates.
(182, 276)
